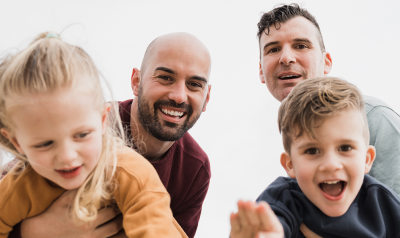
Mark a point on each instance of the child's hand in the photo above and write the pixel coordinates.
(255, 221)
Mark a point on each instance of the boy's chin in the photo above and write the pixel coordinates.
(335, 211)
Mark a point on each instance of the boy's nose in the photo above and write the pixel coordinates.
(330, 162)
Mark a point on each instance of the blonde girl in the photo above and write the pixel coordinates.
(54, 119)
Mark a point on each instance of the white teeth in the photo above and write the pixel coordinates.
(332, 182)
(172, 113)
(287, 76)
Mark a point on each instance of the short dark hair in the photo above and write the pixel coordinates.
(281, 14)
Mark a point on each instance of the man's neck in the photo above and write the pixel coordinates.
(150, 147)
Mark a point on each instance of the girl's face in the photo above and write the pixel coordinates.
(61, 135)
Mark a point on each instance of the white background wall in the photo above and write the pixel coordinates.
(239, 130)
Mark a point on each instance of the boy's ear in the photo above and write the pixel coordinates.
(287, 164)
(135, 81)
(106, 110)
(7, 134)
(370, 158)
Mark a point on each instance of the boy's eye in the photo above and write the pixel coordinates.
(45, 144)
(312, 151)
(345, 148)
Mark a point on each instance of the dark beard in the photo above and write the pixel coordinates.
(169, 131)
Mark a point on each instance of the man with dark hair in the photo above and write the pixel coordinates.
(171, 91)
(292, 50)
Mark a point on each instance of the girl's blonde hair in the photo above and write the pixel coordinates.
(46, 65)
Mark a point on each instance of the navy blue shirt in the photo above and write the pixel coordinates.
(375, 212)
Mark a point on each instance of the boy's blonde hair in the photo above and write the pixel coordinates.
(314, 99)
(45, 66)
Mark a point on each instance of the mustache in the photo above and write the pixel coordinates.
(171, 103)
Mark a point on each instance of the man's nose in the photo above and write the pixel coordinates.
(178, 92)
(287, 56)
(66, 153)
(330, 162)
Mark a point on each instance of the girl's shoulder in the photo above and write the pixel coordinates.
(133, 164)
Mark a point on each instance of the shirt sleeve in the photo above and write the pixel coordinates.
(384, 127)
(144, 203)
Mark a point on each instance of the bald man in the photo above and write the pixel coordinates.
(171, 91)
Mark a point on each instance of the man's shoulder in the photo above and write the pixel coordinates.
(188, 145)
(373, 104)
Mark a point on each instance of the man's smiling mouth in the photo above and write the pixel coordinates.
(173, 113)
(290, 76)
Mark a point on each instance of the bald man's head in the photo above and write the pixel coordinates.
(180, 41)
(172, 87)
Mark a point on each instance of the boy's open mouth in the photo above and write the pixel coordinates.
(333, 188)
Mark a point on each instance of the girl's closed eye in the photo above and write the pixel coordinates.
(43, 145)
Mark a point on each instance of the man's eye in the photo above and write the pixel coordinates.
(163, 77)
(196, 85)
(273, 50)
(312, 151)
(345, 148)
(300, 47)
(45, 144)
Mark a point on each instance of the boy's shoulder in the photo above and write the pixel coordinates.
(372, 189)
(280, 189)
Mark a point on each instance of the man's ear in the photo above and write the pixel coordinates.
(7, 134)
(328, 63)
(207, 98)
(287, 164)
(370, 158)
(262, 79)
(106, 110)
(135, 81)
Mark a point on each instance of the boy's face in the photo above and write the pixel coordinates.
(330, 171)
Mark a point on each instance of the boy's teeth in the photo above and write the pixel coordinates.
(332, 182)
(172, 113)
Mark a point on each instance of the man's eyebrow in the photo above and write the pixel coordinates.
(270, 43)
(165, 70)
(195, 77)
(303, 40)
(199, 78)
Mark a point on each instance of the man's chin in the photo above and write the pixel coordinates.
(284, 93)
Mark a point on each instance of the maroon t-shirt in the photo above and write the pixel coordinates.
(185, 173)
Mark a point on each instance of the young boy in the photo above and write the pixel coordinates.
(327, 156)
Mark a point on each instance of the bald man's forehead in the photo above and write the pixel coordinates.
(177, 43)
